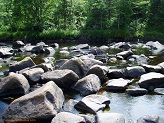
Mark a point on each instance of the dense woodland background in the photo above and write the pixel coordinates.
(73, 19)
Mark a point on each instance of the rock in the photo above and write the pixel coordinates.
(100, 71)
(33, 75)
(139, 59)
(92, 103)
(76, 65)
(150, 119)
(115, 73)
(65, 117)
(110, 118)
(25, 63)
(159, 91)
(151, 68)
(121, 45)
(156, 47)
(49, 51)
(88, 85)
(63, 78)
(48, 59)
(136, 91)
(151, 81)
(27, 48)
(162, 67)
(88, 118)
(59, 63)
(5, 51)
(134, 72)
(69, 106)
(64, 53)
(18, 44)
(112, 60)
(125, 54)
(37, 49)
(64, 48)
(14, 85)
(95, 51)
(82, 46)
(41, 44)
(42, 104)
(117, 85)
(55, 45)
(104, 48)
(45, 66)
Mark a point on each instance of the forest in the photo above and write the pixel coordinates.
(86, 19)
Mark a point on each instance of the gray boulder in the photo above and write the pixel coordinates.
(5, 51)
(115, 73)
(63, 78)
(37, 49)
(49, 51)
(121, 45)
(25, 63)
(59, 63)
(42, 104)
(139, 59)
(69, 106)
(151, 81)
(88, 85)
(125, 54)
(150, 119)
(151, 68)
(88, 118)
(64, 53)
(33, 75)
(92, 103)
(14, 85)
(110, 118)
(104, 48)
(100, 71)
(65, 117)
(82, 46)
(45, 66)
(27, 48)
(76, 65)
(134, 72)
(117, 85)
(136, 91)
(18, 44)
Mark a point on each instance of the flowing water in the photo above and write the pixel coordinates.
(131, 107)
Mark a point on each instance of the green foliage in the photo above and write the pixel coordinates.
(140, 50)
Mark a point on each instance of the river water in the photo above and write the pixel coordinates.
(131, 107)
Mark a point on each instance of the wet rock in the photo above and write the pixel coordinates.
(66, 117)
(18, 44)
(49, 51)
(14, 85)
(117, 85)
(63, 78)
(88, 85)
(100, 71)
(139, 59)
(42, 104)
(69, 106)
(151, 81)
(150, 119)
(64, 53)
(25, 63)
(82, 46)
(151, 68)
(136, 91)
(33, 75)
(5, 51)
(110, 118)
(76, 65)
(115, 73)
(125, 54)
(59, 63)
(92, 103)
(134, 72)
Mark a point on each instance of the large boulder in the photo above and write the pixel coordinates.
(63, 78)
(25, 63)
(82, 46)
(139, 59)
(151, 81)
(88, 85)
(45, 66)
(14, 85)
(134, 72)
(117, 85)
(150, 119)
(37, 49)
(125, 54)
(49, 51)
(69, 106)
(110, 118)
(121, 45)
(66, 117)
(42, 104)
(92, 103)
(33, 75)
(115, 73)
(136, 91)
(76, 65)
(5, 51)
(100, 71)
(151, 68)
(18, 44)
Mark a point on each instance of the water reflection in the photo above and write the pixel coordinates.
(134, 107)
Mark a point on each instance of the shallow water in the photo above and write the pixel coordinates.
(131, 107)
